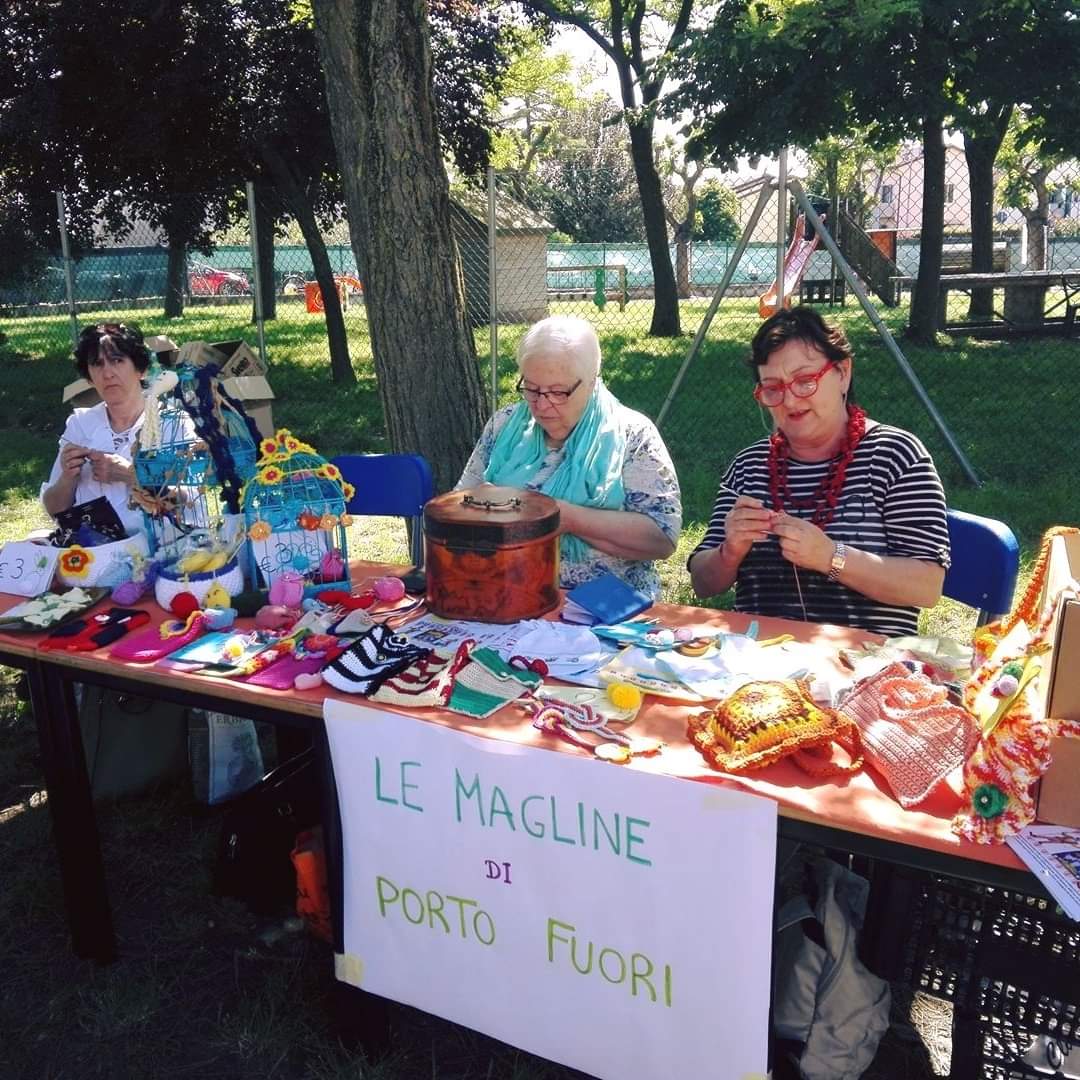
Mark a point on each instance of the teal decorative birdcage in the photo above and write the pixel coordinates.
(191, 470)
(294, 513)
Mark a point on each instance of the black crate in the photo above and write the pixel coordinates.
(1009, 963)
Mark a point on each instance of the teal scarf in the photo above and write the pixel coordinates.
(590, 473)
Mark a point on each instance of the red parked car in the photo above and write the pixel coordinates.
(204, 280)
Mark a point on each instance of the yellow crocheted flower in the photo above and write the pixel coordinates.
(268, 447)
(270, 475)
(75, 562)
(348, 491)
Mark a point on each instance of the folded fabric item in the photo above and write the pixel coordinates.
(157, 641)
(609, 599)
(370, 659)
(568, 651)
(426, 683)
(85, 635)
(487, 683)
(763, 722)
(50, 609)
(911, 734)
(281, 674)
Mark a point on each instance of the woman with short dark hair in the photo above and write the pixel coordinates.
(96, 449)
(834, 518)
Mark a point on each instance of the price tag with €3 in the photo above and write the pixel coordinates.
(26, 568)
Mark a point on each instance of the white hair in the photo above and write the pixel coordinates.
(567, 336)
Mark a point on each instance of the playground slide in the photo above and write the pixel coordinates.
(795, 263)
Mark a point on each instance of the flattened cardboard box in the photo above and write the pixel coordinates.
(1059, 792)
(234, 358)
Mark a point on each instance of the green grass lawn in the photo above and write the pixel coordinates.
(1011, 405)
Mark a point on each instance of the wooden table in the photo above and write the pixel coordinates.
(1025, 294)
(856, 814)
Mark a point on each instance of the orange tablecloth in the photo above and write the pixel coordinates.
(860, 804)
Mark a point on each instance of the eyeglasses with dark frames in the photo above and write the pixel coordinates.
(771, 392)
(533, 394)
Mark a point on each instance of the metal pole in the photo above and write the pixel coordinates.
(69, 277)
(256, 273)
(718, 295)
(883, 332)
(493, 300)
(781, 227)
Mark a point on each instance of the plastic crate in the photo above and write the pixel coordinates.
(1009, 963)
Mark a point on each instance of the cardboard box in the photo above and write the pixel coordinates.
(253, 391)
(1059, 792)
(166, 350)
(234, 358)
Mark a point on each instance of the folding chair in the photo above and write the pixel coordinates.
(985, 564)
(390, 485)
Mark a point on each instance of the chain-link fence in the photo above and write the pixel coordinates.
(1000, 376)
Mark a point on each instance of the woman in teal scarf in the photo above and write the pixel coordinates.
(605, 464)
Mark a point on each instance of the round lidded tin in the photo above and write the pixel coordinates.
(492, 554)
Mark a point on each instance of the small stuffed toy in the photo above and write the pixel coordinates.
(287, 589)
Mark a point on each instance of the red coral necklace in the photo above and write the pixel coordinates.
(824, 499)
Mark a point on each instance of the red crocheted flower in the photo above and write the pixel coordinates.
(75, 562)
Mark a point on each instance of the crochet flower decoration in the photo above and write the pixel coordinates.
(989, 801)
(349, 491)
(75, 562)
(260, 530)
(270, 475)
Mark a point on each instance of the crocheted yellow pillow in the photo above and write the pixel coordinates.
(763, 722)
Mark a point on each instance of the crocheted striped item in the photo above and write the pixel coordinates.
(763, 722)
(428, 682)
(487, 683)
(370, 660)
(910, 732)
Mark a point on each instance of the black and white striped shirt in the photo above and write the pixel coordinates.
(892, 503)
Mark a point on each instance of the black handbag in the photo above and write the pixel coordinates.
(259, 831)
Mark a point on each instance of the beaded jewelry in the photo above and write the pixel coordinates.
(823, 501)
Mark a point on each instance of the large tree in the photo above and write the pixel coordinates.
(376, 58)
(640, 43)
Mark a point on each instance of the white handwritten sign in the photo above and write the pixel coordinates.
(27, 569)
(614, 921)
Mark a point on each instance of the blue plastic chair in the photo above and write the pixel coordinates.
(390, 485)
(985, 564)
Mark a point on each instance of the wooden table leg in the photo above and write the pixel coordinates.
(74, 824)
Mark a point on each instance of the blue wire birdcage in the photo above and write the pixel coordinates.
(294, 512)
(189, 482)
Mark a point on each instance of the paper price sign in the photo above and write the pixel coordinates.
(27, 569)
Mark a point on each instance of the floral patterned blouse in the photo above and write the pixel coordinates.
(652, 488)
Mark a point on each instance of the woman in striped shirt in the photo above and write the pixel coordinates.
(834, 518)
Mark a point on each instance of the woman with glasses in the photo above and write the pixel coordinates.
(834, 518)
(98, 443)
(605, 464)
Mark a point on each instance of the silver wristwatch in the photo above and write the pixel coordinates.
(838, 561)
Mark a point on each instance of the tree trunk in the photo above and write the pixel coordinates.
(175, 279)
(1036, 238)
(264, 226)
(980, 151)
(923, 320)
(341, 369)
(682, 261)
(376, 59)
(294, 195)
(665, 320)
